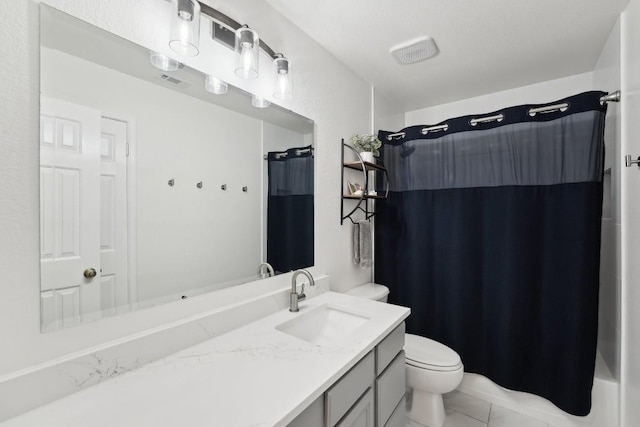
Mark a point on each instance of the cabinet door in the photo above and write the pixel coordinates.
(361, 414)
(399, 416)
(348, 389)
(390, 389)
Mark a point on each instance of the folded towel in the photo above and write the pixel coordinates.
(356, 243)
(365, 244)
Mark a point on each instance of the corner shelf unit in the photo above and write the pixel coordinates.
(363, 199)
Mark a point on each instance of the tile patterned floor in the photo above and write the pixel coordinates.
(464, 410)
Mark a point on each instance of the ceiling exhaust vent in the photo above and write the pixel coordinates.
(415, 50)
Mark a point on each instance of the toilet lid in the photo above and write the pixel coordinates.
(371, 291)
(426, 353)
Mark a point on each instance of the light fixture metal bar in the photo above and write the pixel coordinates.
(223, 19)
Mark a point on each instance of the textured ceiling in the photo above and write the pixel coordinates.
(485, 46)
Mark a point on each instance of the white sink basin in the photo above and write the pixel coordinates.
(323, 325)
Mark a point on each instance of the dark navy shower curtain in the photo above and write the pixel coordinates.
(290, 209)
(491, 234)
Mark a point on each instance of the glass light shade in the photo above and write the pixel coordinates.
(215, 85)
(247, 48)
(163, 62)
(259, 102)
(282, 84)
(185, 27)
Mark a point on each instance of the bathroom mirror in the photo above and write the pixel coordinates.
(152, 188)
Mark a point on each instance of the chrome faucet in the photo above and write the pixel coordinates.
(270, 272)
(296, 297)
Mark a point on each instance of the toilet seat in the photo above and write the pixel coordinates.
(424, 353)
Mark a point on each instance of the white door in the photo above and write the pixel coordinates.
(113, 217)
(630, 221)
(69, 212)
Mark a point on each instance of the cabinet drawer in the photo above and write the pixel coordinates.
(348, 389)
(390, 389)
(389, 348)
(361, 415)
(399, 416)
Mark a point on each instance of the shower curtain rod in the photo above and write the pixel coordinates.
(610, 97)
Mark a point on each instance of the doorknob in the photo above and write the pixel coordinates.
(90, 273)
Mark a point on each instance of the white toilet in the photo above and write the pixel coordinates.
(432, 368)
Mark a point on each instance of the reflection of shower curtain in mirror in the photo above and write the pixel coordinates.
(290, 209)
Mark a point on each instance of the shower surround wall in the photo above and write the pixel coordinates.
(606, 76)
(325, 90)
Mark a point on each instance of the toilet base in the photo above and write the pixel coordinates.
(426, 408)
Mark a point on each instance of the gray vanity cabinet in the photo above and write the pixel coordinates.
(344, 394)
(371, 394)
(362, 414)
(390, 391)
(390, 384)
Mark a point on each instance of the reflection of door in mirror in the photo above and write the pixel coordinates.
(83, 185)
(114, 255)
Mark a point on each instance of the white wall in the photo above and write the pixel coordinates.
(606, 77)
(387, 114)
(544, 92)
(630, 230)
(325, 91)
(181, 230)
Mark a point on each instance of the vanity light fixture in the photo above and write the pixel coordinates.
(247, 61)
(282, 84)
(185, 27)
(163, 62)
(259, 102)
(215, 85)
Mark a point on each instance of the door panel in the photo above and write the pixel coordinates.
(69, 180)
(113, 215)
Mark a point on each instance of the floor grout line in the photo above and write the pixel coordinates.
(490, 408)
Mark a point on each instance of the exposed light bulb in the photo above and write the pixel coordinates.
(185, 27)
(259, 102)
(163, 62)
(247, 47)
(282, 86)
(215, 85)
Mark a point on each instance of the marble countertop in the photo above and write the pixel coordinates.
(252, 376)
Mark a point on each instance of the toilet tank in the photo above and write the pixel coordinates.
(373, 291)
